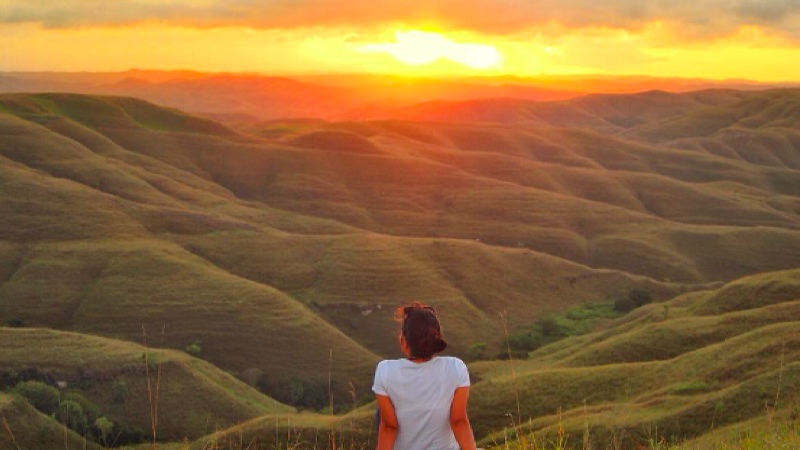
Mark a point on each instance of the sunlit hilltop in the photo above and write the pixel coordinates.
(400, 224)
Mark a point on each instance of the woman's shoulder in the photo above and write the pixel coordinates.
(386, 363)
(452, 360)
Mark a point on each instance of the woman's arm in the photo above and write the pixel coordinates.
(387, 433)
(459, 421)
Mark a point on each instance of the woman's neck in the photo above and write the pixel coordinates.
(420, 360)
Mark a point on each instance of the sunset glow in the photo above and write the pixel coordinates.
(411, 38)
(423, 47)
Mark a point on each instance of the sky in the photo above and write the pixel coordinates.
(715, 39)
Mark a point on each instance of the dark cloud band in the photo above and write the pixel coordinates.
(696, 17)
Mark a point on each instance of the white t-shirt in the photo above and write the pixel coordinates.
(422, 394)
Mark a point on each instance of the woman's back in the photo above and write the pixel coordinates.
(422, 393)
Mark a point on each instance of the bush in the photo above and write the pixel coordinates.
(119, 391)
(252, 376)
(91, 410)
(516, 354)
(549, 326)
(43, 397)
(477, 350)
(15, 322)
(127, 436)
(297, 391)
(640, 297)
(105, 429)
(194, 349)
(525, 341)
(690, 388)
(71, 415)
(624, 305)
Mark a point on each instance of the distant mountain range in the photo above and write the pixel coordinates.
(252, 97)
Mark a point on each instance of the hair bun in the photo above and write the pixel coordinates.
(439, 345)
(421, 329)
(435, 342)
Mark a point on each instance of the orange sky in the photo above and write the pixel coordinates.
(717, 39)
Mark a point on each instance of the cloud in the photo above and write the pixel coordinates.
(695, 17)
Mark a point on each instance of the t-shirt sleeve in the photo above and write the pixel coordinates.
(379, 385)
(462, 373)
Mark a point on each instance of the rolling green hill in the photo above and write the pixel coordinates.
(717, 358)
(21, 426)
(719, 361)
(285, 252)
(208, 397)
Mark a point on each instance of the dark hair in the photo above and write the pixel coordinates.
(421, 329)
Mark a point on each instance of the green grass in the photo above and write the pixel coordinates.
(684, 376)
(22, 427)
(208, 396)
(574, 321)
(274, 252)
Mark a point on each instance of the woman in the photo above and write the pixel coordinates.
(422, 399)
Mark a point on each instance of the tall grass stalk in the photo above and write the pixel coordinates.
(518, 422)
(330, 401)
(10, 433)
(153, 396)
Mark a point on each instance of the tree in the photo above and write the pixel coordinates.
(624, 305)
(43, 397)
(119, 391)
(91, 410)
(640, 297)
(549, 326)
(105, 427)
(71, 415)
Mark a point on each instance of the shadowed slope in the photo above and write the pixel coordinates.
(207, 396)
(21, 426)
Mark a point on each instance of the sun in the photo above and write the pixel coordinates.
(417, 47)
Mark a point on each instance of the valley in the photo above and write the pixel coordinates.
(277, 250)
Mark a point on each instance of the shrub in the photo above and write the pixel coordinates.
(516, 354)
(689, 388)
(549, 326)
(477, 350)
(252, 376)
(297, 391)
(43, 397)
(119, 391)
(71, 415)
(126, 436)
(15, 322)
(525, 341)
(194, 349)
(640, 297)
(624, 305)
(90, 409)
(105, 429)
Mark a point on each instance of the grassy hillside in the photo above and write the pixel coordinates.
(208, 397)
(690, 377)
(256, 231)
(284, 253)
(22, 427)
(680, 369)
